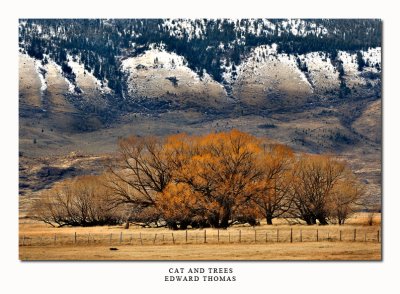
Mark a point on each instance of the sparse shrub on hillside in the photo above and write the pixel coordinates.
(267, 126)
(173, 80)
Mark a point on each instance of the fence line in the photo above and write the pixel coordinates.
(210, 236)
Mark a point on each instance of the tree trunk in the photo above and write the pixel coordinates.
(126, 225)
(309, 219)
(313, 220)
(214, 221)
(172, 225)
(268, 216)
(183, 225)
(224, 221)
(322, 220)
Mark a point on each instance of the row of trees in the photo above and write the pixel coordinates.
(213, 180)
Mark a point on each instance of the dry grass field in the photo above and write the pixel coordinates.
(278, 242)
(272, 251)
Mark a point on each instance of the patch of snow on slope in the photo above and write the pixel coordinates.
(350, 66)
(259, 54)
(156, 57)
(71, 86)
(85, 80)
(321, 72)
(291, 62)
(179, 27)
(372, 56)
(41, 71)
(158, 73)
(265, 73)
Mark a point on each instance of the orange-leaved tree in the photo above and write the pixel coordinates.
(223, 169)
(273, 197)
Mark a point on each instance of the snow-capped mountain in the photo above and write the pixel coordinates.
(313, 84)
(105, 67)
(220, 59)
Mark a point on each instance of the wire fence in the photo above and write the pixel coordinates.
(256, 236)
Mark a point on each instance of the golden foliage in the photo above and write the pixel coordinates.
(213, 180)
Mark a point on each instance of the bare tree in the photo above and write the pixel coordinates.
(83, 201)
(314, 177)
(139, 171)
(344, 198)
(273, 197)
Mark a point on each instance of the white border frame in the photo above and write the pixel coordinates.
(115, 277)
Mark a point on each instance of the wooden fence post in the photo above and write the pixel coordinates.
(205, 236)
(240, 236)
(378, 236)
(317, 235)
(218, 236)
(55, 238)
(173, 239)
(154, 241)
(229, 237)
(75, 238)
(301, 235)
(186, 236)
(88, 238)
(340, 235)
(255, 236)
(355, 235)
(277, 235)
(291, 235)
(266, 237)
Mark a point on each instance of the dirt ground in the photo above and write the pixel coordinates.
(271, 251)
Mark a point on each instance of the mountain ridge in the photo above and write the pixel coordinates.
(314, 85)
